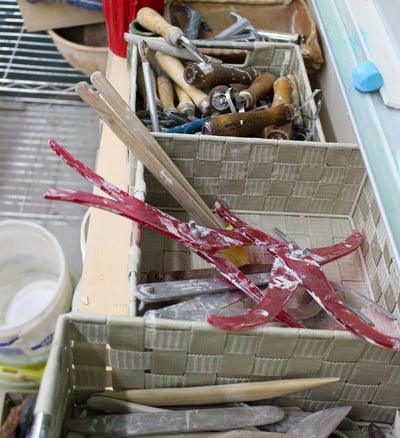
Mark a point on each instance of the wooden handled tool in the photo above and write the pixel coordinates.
(234, 392)
(115, 112)
(114, 405)
(149, 85)
(246, 123)
(283, 91)
(166, 93)
(262, 86)
(185, 103)
(209, 75)
(152, 20)
(174, 69)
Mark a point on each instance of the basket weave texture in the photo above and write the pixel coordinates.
(91, 353)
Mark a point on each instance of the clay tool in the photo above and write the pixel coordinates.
(194, 22)
(198, 308)
(159, 44)
(209, 75)
(148, 81)
(261, 87)
(116, 406)
(320, 424)
(185, 103)
(242, 124)
(171, 290)
(189, 127)
(213, 394)
(180, 421)
(152, 20)
(198, 273)
(175, 69)
(166, 93)
(283, 90)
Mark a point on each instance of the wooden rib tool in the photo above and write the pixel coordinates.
(212, 394)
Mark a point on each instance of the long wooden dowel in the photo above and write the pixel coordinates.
(146, 149)
(133, 123)
(234, 392)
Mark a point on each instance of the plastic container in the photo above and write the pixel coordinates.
(35, 288)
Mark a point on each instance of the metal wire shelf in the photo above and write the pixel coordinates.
(30, 64)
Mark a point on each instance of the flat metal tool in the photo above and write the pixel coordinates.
(319, 424)
(198, 308)
(194, 420)
(171, 290)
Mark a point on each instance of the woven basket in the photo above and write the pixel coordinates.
(317, 192)
(279, 59)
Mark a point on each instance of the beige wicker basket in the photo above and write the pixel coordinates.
(317, 192)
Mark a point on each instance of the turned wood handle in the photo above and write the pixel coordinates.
(152, 20)
(245, 123)
(283, 94)
(166, 93)
(262, 86)
(283, 90)
(174, 69)
(208, 75)
(185, 103)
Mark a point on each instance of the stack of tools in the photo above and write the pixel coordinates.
(184, 90)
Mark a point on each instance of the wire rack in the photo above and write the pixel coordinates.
(38, 102)
(30, 64)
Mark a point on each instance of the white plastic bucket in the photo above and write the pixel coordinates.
(35, 288)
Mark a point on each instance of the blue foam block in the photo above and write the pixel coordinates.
(366, 77)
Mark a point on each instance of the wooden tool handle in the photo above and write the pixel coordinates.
(166, 93)
(208, 75)
(174, 69)
(283, 90)
(185, 103)
(261, 87)
(283, 94)
(242, 124)
(152, 20)
(232, 392)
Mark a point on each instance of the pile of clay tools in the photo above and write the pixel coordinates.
(183, 90)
